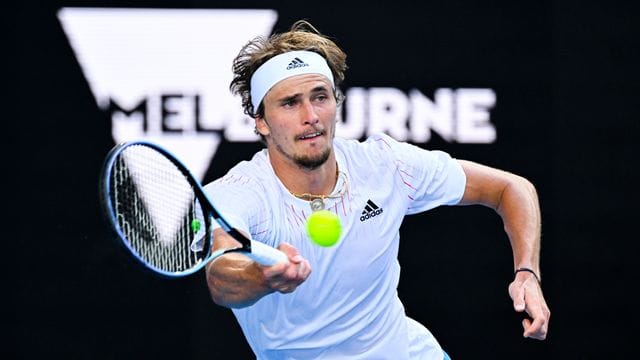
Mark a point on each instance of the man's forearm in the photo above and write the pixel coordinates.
(520, 212)
(235, 281)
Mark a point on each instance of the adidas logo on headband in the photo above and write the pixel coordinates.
(296, 63)
(282, 66)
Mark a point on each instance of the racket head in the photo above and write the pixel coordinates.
(158, 209)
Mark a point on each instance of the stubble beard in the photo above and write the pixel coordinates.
(307, 162)
(312, 162)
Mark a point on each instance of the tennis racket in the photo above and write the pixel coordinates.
(162, 215)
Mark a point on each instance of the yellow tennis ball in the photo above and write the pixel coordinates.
(324, 228)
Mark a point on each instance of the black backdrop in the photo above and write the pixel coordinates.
(567, 118)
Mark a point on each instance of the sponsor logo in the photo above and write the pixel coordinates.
(296, 63)
(370, 210)
(163, 75)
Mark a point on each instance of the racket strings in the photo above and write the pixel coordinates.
(157, 210)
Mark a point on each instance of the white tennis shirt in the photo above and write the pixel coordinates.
(348, 308)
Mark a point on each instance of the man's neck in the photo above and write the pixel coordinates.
(297, 179)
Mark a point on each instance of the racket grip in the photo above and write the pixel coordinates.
(265, 254)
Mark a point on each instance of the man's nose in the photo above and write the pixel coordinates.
(309, 114)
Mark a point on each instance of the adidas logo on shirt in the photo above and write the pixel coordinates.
(296, 63)
(370, 210)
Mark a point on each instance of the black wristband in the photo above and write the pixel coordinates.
(527, 270)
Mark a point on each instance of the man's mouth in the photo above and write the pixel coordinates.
(310, 135)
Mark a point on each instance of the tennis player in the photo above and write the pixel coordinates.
(341, 302)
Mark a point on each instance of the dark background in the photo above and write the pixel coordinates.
(565, 75)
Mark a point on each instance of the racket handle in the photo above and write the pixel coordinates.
(265, 254)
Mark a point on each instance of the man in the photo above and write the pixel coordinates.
(341, 302)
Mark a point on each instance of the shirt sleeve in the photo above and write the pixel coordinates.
(238, 199)
(429, 178)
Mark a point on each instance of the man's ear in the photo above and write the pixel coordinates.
(262, 127)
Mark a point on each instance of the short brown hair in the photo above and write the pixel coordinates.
(301, 36)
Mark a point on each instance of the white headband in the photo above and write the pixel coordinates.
(283, 66)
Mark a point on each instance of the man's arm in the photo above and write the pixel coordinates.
(236, 281)
(515, 199)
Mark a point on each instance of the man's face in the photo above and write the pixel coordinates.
(299, 120)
